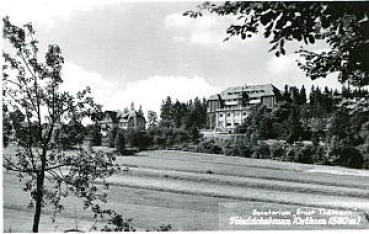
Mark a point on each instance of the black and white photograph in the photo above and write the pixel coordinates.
(171, 116)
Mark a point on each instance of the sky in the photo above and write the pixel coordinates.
(142, 52)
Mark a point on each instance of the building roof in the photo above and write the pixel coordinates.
(254, 91)
(125, 116)
(120, 116)
(112, 115)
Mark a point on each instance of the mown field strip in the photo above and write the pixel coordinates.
(219, 158)
(248, 182)
(238, 193)
(177, 164)
(246, 174)
(256, 163)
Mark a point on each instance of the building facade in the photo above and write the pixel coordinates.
(231, 107)
(122, 120)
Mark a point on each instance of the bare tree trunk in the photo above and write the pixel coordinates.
(39, 198)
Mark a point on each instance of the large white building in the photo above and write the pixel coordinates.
(228, 109)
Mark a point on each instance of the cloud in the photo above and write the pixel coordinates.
(282, 64)
(284, 70)
(77, 78)
(148, 92)
(46, 13)
(208, 30)
(151, 91)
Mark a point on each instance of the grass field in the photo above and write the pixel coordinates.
(188, 191)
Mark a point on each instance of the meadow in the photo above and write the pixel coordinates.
(188, 191)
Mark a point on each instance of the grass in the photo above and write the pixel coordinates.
(177, 188)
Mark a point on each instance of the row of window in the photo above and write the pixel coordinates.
(248, 92)
(230, 124)
(236, 114)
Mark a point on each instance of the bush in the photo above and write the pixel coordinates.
(320, 155)
(255, 155)
(262, 151)
(366, 161)
(208, 146)
(195, 135)
(163, 228)
(158, 140)
(181, 136)
(96, 136)
(244, 151)
(348, 156)
(112, 135)
(305, 154)
(215, 149)
(120, 143)
(277, 150)
(205, 146)
(230, 151)
(290, 154)
(138, 139)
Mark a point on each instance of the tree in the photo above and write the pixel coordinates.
(70, 134)
(132, 107)
(120, 142)
(166, 109)
(295, 95)
(195, 134)
(344, 26)
(294, 127)
(7, 126)
(302, 96)
(96, 136)
(32, 88)
(140, 111)
(112, 135)
(152, 118)
(286, 94)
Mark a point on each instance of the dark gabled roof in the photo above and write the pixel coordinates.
(112, 115)
(254, 91)
(125, 116)
(120, 116)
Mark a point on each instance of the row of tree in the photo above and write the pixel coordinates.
(186, 115)
(294, 117)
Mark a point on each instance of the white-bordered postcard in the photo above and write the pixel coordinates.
(184, 116)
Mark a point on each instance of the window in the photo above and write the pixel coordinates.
(229, 124)
(228, 114)
(221, 115)
(236, 124)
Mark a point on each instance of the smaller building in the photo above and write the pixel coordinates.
(121, 120)
(131, 120)
(108, 121)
